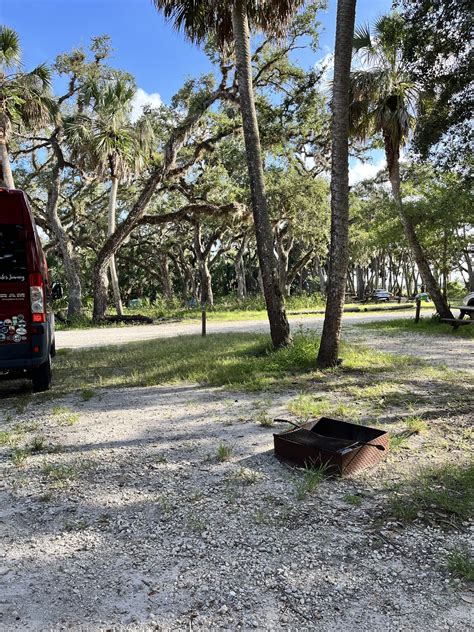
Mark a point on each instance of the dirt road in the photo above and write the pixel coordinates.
(100, 336)
(456, 353)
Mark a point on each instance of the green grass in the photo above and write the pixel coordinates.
(352, 499)
(444, 493)
(59, 473)
(6, 437)
(428, 326)
(461, 564)
(309, 481)
(416, 424)
(224, 452)
(65, 417)
(233, 360)
(310, 406)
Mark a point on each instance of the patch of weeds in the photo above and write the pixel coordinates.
(37, 445)
(6, 437)
(19, 456)
(166, 505)
(46, 497)
(398, 441)
(195, 523)
(263, 419)
(445, 494)
(247, 476)
(307, 406)
(59, 473)
(311, 406)
(309, 481)
(461, 564)
(23, 428)
(87, 394)
(65, 416)
(416, 424)
(224, 452)
(353, 499)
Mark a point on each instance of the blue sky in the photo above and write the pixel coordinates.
(144, 45)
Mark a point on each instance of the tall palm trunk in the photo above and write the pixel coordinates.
(5, 162)
(339, 249)
(431, 285)
(279, 326)
(110, 231)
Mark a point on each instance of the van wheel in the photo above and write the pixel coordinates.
(52, 351)
(41, 377)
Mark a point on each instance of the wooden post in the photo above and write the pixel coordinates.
(203, 320)
(418, 308)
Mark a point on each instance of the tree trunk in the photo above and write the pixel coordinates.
(5, 162)
(65, 245)
(431, 286)
(166, 284)
(279, 326)
(360, 283)
(240, 271)
(202, 256)
(110, 231)
(322, 278)
(470, 270)
(207, 296)
(339, 249)
(101, 290)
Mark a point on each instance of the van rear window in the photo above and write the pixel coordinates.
(13, 266)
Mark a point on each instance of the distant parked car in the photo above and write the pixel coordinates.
(380, 296)
(469, 300)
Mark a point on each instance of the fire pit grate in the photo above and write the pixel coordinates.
(342, 447)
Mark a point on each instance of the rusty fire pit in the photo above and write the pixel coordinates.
(342, 447)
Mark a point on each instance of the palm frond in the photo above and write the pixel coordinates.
(10, 50)
(362, 38)
(199, 19)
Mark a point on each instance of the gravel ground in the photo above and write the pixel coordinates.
(128, 521)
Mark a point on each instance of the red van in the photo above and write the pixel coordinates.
(26, 316)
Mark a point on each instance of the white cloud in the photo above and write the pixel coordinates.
(326, 64)
(141, 99)
(360, 171)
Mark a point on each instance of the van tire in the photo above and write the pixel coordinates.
(41, 377)
(52, 351)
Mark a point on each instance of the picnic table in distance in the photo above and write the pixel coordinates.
(464, 310)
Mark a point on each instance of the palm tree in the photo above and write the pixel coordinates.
(25, 101)
(339, 249)
(106, 142)
(383, 101)
(230, 22)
